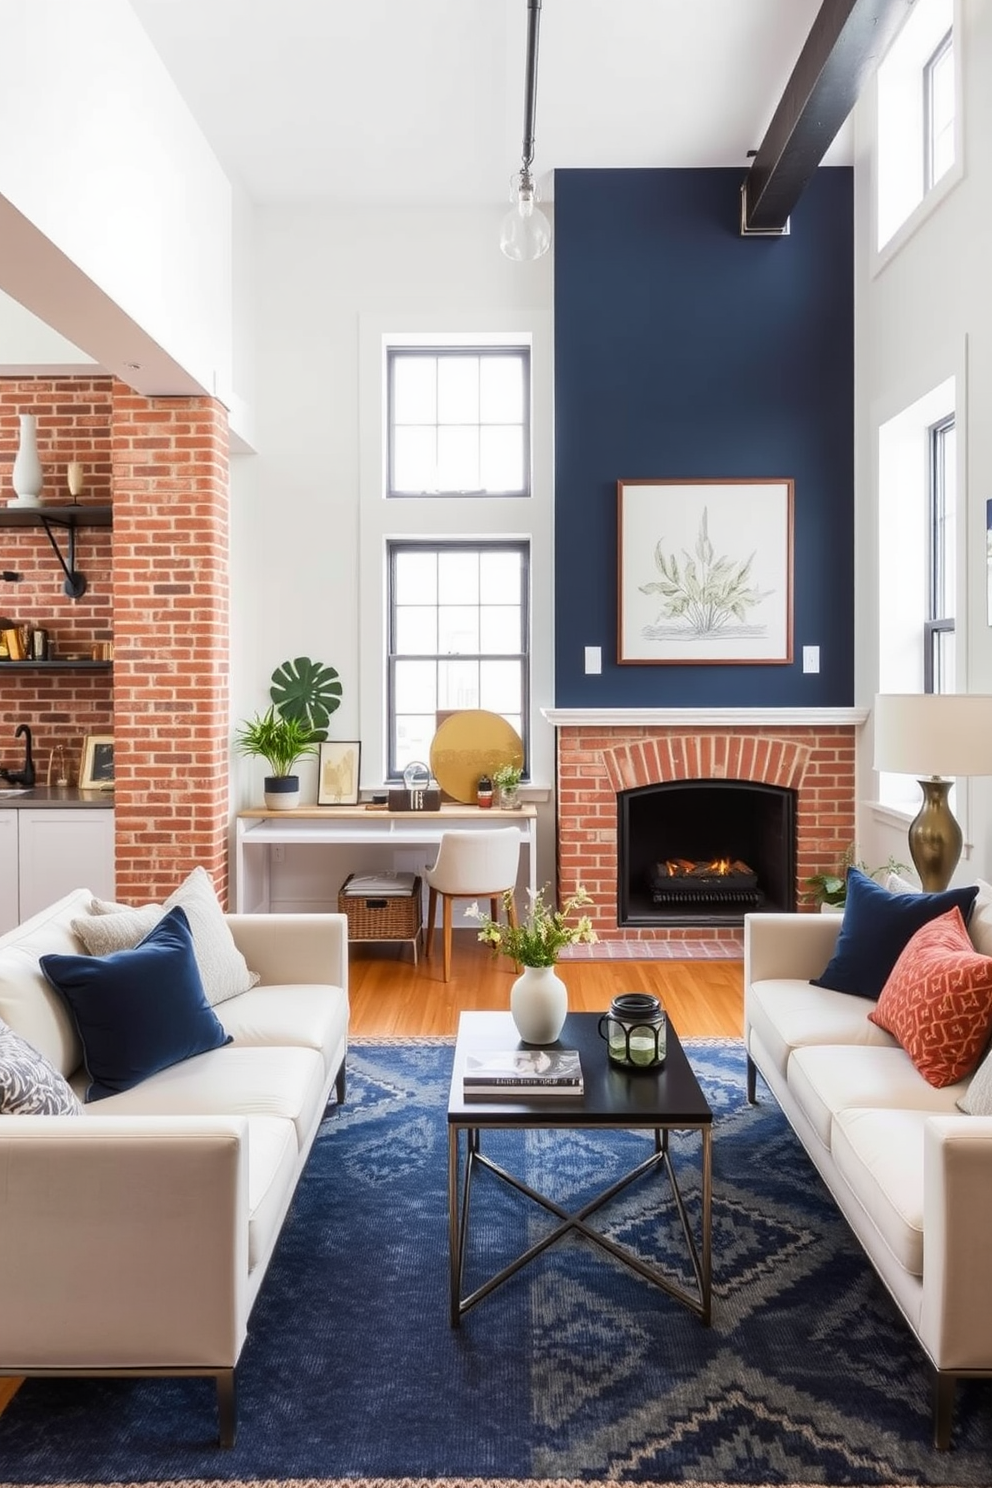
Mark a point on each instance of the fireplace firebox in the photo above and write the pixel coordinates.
(704, 852)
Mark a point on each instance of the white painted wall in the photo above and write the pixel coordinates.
(326, 281)
(104, 159)
(29, 346)
(924, 313)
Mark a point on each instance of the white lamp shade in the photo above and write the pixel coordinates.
(925, 733)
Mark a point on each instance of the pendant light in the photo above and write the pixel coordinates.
(526, 232)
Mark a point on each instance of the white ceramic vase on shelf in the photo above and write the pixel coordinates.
(26, 477)
(538, 1004)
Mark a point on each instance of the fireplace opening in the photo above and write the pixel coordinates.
(704, 852)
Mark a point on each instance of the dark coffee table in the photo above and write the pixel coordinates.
(663, 1100)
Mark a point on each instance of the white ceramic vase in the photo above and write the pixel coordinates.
(26, 477)
(538, 1003)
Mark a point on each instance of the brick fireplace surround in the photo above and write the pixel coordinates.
(603, 752)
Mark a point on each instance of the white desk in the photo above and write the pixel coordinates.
(260, 830)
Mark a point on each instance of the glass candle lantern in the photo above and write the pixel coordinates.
(635, 1031)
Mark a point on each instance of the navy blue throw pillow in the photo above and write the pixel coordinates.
(877, 925)
(140, 1010)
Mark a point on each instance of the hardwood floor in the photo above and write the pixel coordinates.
(390, 997)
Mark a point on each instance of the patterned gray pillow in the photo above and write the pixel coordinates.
(29, 1085)
(977, 1099)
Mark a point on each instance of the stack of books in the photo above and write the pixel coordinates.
(522, 1074)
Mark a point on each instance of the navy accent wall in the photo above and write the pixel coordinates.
(684, 350)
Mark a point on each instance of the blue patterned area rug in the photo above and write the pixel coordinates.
(575, 1371)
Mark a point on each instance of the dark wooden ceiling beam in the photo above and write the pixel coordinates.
(847, 40)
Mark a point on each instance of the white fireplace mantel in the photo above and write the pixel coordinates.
(704, 717)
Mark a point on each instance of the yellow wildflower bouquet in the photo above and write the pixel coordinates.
(538, 940)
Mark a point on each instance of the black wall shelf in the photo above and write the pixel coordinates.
(51, 518)
(54, 666)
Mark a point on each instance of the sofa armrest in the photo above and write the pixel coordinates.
(294, 947)
(796, 946)
(956, 1316)
(123, 1242)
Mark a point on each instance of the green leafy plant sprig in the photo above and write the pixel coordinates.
(537, 940)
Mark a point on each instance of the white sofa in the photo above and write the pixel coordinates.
(910, 1172)
(134, 1237)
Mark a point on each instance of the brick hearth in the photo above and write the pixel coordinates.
(813, 755)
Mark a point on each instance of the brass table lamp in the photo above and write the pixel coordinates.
(937, 737)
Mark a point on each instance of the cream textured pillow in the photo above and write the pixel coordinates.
(223, 970)
(980, 922)
(977, 1099)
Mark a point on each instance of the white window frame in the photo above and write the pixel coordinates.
(431, 518)
(900, 203)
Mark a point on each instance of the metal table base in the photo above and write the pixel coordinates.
(459, 1196)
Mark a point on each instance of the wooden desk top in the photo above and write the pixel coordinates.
(450, 811)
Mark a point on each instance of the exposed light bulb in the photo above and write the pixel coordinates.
(526, 232)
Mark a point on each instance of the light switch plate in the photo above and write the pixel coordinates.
(811, 658)
(594, 660)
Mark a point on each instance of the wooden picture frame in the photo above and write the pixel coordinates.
(96, 768)
(339, 772)
(704, 572)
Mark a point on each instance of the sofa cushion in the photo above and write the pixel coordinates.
(137, 1011)
(788, 1014)
(880, 1156)
(115, 927)
(29, 1085)
(938, 1001)
(876, 927)
(832, 1078)
(308, 1015)
(287, 1083)
(272, 1163)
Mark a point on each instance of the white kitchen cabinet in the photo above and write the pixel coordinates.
(9, 891)
(57, 849)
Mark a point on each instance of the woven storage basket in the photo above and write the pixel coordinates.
(385, 917)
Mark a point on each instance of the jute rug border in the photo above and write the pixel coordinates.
(414, 1483)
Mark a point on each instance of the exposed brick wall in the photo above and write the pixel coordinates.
(594, 764)
(158, 587)
(170, 478)
(74, 418)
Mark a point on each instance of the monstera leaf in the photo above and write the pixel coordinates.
(308, 691)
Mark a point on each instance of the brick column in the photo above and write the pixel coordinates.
(171, 636)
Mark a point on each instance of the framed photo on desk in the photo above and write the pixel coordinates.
(338, 773)
(96, 769)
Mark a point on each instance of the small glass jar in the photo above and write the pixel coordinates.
(484, 792)
(635, 1031)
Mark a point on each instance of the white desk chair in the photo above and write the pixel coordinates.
(471, 865)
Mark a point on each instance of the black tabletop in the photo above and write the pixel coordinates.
(613, 1096)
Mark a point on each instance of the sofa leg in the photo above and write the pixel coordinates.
(340, 1082)
(943, 1408)
(227, 1407)
(752, 1072)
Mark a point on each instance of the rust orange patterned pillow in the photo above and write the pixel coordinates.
(938, 1000)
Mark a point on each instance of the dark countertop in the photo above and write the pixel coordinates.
(54, 795)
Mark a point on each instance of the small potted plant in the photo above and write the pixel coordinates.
(281, 742)
(829, 889)
(507, 781)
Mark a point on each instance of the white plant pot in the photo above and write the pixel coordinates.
(26, 476)
(538, 1004)
(282, 792)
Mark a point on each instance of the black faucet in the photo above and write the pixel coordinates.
(26, 776)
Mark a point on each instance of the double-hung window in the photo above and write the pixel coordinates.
(938, 111)
(938, 629)
(458, 637)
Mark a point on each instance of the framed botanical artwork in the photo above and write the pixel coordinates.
(704, 572)
(96, 768)
(338, 773)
